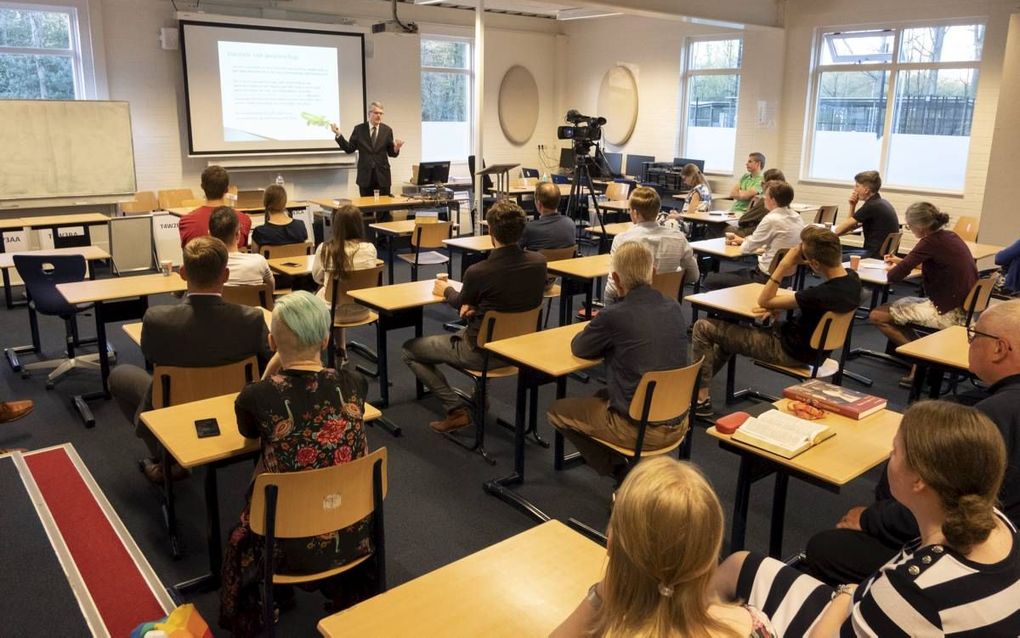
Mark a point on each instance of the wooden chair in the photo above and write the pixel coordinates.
(277, 251)
(676, 401)
(553, 290)
(495, 326)
(192, 203)
(827, 215)
(617, 191)
(670, 284)
(966, 227)
(338, 296)
(891, 244)
(174, 385)
(830, 334)
(174, 197)
(426, 239)
(317, 502)
(144, 202)
(254, 295)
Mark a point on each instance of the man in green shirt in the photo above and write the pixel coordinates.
(749, 185)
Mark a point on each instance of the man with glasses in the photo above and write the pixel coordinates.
(867, 537)
(374, 143)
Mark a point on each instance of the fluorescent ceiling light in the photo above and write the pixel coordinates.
(583, 14)
(429, 1)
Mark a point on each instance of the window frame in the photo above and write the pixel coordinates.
(893, 69)
(80, 53)
(469, 72)
(688, 73)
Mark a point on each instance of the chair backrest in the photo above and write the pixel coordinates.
(617, 191)
(671, 393)
(778, 257)
(175, 197)
(558, 254)
(891, 244)
(132, 244)
(42, 273)
(254, 295)
(174, 385)
(505, 325)
(193, 202)
(668, 283)
(831, 331)
(430, 235)
(827, 215)
(144, 202)
(966, 227)
(317, 502)
(278, 251)
(979, 296)
(355, 280)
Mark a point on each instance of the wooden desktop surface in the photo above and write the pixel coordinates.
(181, 211)
(134, 330)
(66, 220)
(612, 230)
(946, 347)
(400, 296)
(616, 205)
(471, 243)
(547, 351)
(121, 287)
(582, 267)
(12, 223)
(711, 217)
(528, 189)
(857, 447)
(174, 427)
(402, 227)
(90, 253)
(717, 248)
(293, 266)
(738, 300)
(523, 586)
(980, 251)
(370, 202)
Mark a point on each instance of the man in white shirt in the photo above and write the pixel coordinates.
(246, 269)
(779, 229)
(668, 245)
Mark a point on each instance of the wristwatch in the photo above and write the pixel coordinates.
(593, 597)
(843, 589)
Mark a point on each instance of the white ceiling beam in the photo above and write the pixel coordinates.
(762, 13)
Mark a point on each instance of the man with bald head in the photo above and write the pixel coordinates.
(868, 537)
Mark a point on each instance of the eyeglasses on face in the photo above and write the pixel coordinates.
(973, 333)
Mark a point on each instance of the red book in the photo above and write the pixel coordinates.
(834, 398)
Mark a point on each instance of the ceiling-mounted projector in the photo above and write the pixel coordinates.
(394, 26)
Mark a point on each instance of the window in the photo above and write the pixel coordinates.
(927, 75)
(446, 79)
(713, 84)
(39, 53)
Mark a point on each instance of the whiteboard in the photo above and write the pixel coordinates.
(64, 151)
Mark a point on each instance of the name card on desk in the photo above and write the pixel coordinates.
(165, 228)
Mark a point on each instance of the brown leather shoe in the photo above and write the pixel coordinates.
(455, 420)
(154, 471)
(14, 410)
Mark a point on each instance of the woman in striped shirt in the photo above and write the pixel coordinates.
(960, 578)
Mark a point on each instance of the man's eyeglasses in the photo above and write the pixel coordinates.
(973, 333)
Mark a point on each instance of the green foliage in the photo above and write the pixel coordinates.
(35, 29)
(36, 76)
(444, 97)
(446, 54)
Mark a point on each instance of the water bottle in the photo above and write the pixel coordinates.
(545, 176)
(279, 180)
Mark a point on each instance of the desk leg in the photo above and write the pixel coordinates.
(8, 297)
(934, 381)
(741, 500)
(533, 418)
(917, 387)
(565, 305)
(391, 254)
(80, 401)
(778, 514)
(169, 508)
(210, 581)
(384, 364)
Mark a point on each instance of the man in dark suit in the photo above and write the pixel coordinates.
(202, 330)
(374, 143)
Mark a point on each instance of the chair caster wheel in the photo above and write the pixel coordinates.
(49, 385)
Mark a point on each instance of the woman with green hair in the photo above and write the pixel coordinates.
(307, 417)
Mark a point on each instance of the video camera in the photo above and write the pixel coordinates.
(584, 131)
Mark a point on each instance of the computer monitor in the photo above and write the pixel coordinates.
(635, 165)
(567, 159)
(680, 162)
(433, 173)
(615, 161)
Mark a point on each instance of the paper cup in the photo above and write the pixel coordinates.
(443, 276)
(167, 266)
(855, 262)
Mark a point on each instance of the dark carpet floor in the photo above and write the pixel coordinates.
(436, 511)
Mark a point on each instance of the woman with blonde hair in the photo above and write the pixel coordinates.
(959, 578)
(664, 539)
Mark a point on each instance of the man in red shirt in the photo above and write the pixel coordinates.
(215, 183)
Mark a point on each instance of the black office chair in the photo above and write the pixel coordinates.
(41, 274)
(487, 200)
(528, 173)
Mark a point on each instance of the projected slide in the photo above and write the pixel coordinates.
(277, 92)
(259, 89)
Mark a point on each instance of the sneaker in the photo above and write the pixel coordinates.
(703, 409)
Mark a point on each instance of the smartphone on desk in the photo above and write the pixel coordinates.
(207, 427)
(291, 264)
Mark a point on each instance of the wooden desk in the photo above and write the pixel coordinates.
(616, 205)
(717, 248)
(980, 251)
(524, 586)
(372, 204)
(710, 217)
(581, 272)
(937, 353)
(391, 232)
(541, 357)
(175, 430)
(181, 211)
(11, 223)
(72, 219)
(399, 306)
(90, 253)
(611, 230)
(857, 447)
(472, 249)
(101, 291)
(293, 266)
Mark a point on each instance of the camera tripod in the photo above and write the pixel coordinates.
(582, 186)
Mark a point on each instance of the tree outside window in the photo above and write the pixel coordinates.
(712, 86)
(38, 56)
(446, 99)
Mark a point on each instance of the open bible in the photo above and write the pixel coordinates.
(782, 434)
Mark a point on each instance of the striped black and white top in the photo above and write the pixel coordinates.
(935, 591)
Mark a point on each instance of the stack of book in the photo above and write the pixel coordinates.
(835, 399)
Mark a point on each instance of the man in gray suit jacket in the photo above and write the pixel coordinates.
(202, 330)
(374, 143)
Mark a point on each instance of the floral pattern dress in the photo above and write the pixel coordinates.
(305, 420)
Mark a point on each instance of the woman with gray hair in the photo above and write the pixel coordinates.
(307, 417)
(947, 275)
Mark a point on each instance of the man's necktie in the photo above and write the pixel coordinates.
(374, 130)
